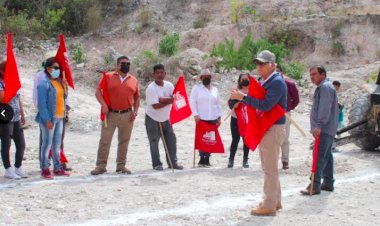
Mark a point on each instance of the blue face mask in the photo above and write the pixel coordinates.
(55, 73)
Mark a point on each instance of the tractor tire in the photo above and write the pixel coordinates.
(360, 110)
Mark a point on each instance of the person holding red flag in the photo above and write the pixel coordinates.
(12, 130)
(206, 107)
(270, 144)
(159, 101)
(238, 122)
(323, 124)
(123, 91)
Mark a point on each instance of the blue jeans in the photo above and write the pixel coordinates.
(51, 139)
(325, 163)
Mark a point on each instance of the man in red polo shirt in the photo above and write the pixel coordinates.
(124, 94)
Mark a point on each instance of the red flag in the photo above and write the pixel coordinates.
(62, 156)
(207, 138)
(63, 61)
(315, 155)
(181, 107)
(258, 121)
(11, 77)
(242, 118)
(104, 90)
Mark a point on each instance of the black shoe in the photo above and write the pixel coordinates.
(327, 187)
(307, 191)
(285, 165)
(245, 163)
(230, 163)
(201, 162)
(207, 161)
(176, 166)
(65, 167)
(158, 168)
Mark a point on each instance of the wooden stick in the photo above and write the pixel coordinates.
(295, 125)
(105, 121)
(166, 147)
(194, 158)
(311, 184)
(229, 114)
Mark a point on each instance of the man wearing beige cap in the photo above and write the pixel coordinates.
(269, 147)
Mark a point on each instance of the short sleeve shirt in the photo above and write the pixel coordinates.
(153, 93)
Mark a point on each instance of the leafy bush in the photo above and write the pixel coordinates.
(53, 19)
(294, 69)
(93, 18)
(337, 49)
(281, 34)
(169, 44)
(79, 53)
(241, 58)
(236, 7)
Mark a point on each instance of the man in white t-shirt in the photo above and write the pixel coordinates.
(159, 102)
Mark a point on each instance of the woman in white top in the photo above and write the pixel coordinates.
(205, 105)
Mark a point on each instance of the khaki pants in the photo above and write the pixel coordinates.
(269, 154)
(124, 125)
(285, 145)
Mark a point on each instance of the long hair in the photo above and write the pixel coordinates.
(2, 69)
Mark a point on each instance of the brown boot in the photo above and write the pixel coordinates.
(262, 211)
(98, 171)
(278, 206)
(123, 170)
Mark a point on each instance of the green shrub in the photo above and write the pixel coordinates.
(53, 19)
(337, 49)
(93, 18)
(146, 58)
(169, 44)
(294, 69)
(79, 53)
(145, 18)
(17, 24)
(282, 34)
(336, 31)
(242, 57)
(236, 7)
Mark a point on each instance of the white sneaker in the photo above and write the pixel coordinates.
(21, 172)
(10, 173)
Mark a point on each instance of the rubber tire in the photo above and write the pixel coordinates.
(360, 109)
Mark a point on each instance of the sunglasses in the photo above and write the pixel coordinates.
(125, 63)
(56, 68)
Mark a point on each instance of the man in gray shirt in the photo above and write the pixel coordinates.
(323, 124)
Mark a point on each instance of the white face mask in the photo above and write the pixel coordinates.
(55, 73)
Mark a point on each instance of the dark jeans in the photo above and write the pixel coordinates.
(203, 154)
(9, 131)
(325, 163)
(235, 139)
(154, 135)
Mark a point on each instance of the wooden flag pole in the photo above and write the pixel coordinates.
(295, 125)
(194, 158)
(311, 184)
(105, 121)
(229, 114)
(166, 147)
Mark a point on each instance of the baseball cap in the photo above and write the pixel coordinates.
(265, 56)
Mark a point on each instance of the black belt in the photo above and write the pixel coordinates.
(121, 111)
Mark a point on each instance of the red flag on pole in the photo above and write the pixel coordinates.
(63, 61)
(11, 77)
(104, 90)
(180, 107)
(258, 121)
(242, 118)
(315, 155)
(207, 138)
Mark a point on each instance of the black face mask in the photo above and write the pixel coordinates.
(206, 81)
(244, 82)
(124, 68)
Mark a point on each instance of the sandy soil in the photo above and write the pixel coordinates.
(214, 196)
